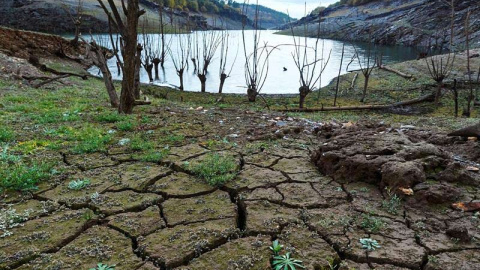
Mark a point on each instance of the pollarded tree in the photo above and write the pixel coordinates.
(206, 45)
(309, 61)
(224, 53)
(181, 55)
(76, 18)
(127, 27)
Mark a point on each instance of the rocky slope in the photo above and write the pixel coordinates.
(51, 16)
(399, 22)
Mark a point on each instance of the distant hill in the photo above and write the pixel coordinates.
(394, 22)
(268, 18)
(51, 16)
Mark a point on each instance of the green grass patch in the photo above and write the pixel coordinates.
(126, 126)
(21, 176)
(141, 143)
(6, 134)
(110, 117)
(215, 169)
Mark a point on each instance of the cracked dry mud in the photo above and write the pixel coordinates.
(315, 191)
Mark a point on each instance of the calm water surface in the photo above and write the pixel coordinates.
(278, 80)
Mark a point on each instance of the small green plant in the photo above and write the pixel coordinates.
(125, 126)
(371, 224)
(369, 244)
(393, 204)
(110, 117)
(154, 156)
(276, 248)
(285, 262)
(20, 176)
(432, 259)
(78, 184)
(141, 143)
(101, 266)
(6, 135)
(215, 169)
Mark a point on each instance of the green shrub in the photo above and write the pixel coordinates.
(215, 169)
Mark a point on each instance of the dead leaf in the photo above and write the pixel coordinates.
(348, 125)
(406, 191)
(473, 139)
(467, 207)
(472, 169)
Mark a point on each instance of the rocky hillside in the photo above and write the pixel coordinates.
(52, 16)
(402, 22)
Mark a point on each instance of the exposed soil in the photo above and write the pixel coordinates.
(316, 186)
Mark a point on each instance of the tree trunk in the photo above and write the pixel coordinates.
(156, 62)
(74, 41)
(455, 96)
(304, 91)
(107, 78)
(365, 87)
(138, 65)
(130, 36)
(194, 65)
(149, 69)
(223, 77)
(180, 75)
(438, 94)
(252, 94)
(203, 81)
(96, 53)
(119, 68)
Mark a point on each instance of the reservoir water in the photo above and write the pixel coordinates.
(279, 80)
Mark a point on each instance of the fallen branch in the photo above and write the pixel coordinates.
(352, 86)
(427, 98)
(38, 85)
(399, 73)
(141, 102)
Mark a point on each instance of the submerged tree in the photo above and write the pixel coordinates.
(126, 26)
(206, 45)
(181, 56)
(148, 51)
(76, 18)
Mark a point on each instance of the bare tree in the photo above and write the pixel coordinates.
(97, 52)
(76, 18)
(308, 62)
(256, 62)
(127, 28)
(206, 45)
(439, 69)
(367, 64)
(471, 96)
(148, 51)
(224, 53)
(181, 55)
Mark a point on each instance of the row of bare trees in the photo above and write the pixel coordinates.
(202, 46)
